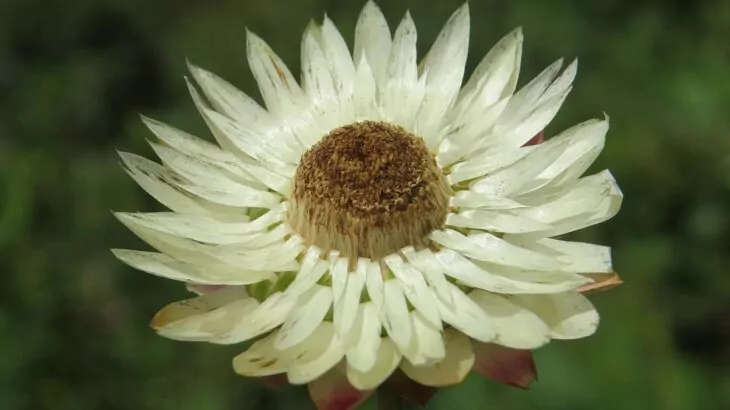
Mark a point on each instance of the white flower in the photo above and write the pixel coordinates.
(379, 215)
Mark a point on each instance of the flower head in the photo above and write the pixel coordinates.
(379, 217)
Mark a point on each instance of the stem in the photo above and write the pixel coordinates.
(387, 400)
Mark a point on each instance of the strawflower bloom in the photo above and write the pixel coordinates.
(378, 223)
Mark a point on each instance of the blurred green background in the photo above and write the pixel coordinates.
(75, 75)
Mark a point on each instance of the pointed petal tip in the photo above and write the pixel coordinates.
(601, 282)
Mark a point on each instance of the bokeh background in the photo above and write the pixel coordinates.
(74, 76)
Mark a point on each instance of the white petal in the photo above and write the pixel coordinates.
(365, 93)
(570, 315)
(427, 346)
(269, 152)
(495, 221)
(452, 369)
(445, 64)
(338, 56)
(388, 359)
(280, 91)
(460, 268)
(186, 143)
(465, 315)
(374, 285)
(476, 200)
(560, 278)
(397, 97)
(517, 327)
(262, 359)
(221, 229)
(227, 99)
(364, 341)
(203, 320)
(372, 40)
(395, 317)
(574, 256)
(317, 80)
(167, 267)
(270, 314)
(339, 274)
(311, 270)
(524, 101)
(492, 75)
(485, 163)
(311, 310)
(586, 142)
(280, 256)
(589, 201)
(346, 311)
(156, 181)
(319, 353)
(489, 248)
(511, 178)
(427, 264)
(415, 289)
(467, 136)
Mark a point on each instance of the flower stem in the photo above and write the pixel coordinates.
(387, 400)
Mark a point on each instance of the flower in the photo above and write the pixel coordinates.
(380, 217)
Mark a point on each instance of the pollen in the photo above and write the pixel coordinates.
(368, 189)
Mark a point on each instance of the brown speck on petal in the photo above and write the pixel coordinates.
(537, 139)
(602, 282)
(275, 381)
(332, 391)
(509, 366)
(403, 386)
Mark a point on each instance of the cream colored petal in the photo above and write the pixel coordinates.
(363, 342)
(490, 248)
(374, 285)
(452, 369)
(517, 327)
(427, 264)
(415, 289)
(570, 315)
(476, 276)
(205, 317)
(262, 359)
(302, 321)
(387, 361)
(279, 89)
(427, 346)
(267, 316)
(311, 271)
(395, 317)
(315, 356)
(218, 229)
(372, 40)
(492, 75)
(466, 316)
(444, 63)
(158, 182)
(162, 265)
(573, 256)
(346, 310)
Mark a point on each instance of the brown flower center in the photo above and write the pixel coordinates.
(368, 189)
